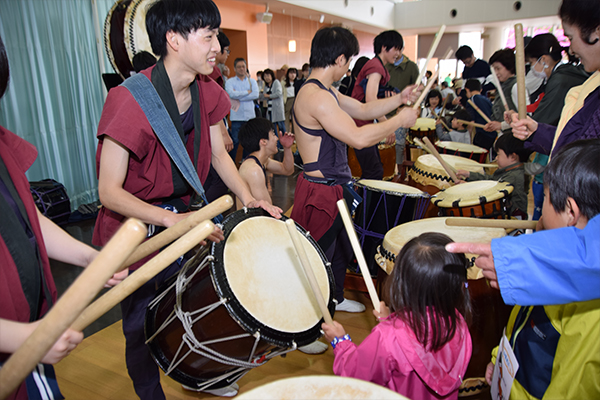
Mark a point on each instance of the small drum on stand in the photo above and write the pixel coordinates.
(384, 206)
(387, 153)
(320, 387)
(477, 199)
(465, 150)
(424, 127)
(125, 34)
(490, 314)
(429, 176)
(237, 304)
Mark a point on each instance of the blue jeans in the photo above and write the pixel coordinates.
(235, 129)
(538, 199)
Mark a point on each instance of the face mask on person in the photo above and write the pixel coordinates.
(539, 74)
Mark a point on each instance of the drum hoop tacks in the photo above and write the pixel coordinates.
(237, 311)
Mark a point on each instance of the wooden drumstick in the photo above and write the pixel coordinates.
(159, 241)
(360, 257)
(432, 50)
(143, 274)
(70, 305)
(485, 117)
(492, 223)
(421, 144)
(450, 170)
(312, 280)
(439, 118)
(462, 121)
(417, 104)
(520, 69)
(499, 88)
(483, 165)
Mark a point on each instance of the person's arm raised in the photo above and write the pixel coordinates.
(324, 109)
(378, 107)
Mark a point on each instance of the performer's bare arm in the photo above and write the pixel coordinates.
(226, 169)
(374, 109)
(323, 111)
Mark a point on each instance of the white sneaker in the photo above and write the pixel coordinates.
(315, 347)
(227, 391)
(350, 306)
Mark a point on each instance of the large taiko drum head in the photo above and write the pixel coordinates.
(238, 303)
(396, 238)
(125, 33)
(320, 387)
(428, 171)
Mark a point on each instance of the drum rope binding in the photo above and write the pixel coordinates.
(188, 319)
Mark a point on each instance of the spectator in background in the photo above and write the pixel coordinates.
(474, 69)
(221, 59)
(289, 94)
(300, 80)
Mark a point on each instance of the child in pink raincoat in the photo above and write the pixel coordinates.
(421, 348)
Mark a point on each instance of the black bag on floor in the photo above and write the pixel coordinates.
(52, 200)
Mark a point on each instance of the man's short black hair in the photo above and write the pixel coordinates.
(506, 57)
(388, 39)
(223, 40)
(253, 131)
(463, 114)
(143, 60)
(305, 67)
(473, 85)
(463, 53)
(575, 172)
(511, 145)
(329, 43)
(237, 60)
(180, 16)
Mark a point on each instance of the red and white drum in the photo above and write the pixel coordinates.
(237, 304)
(477, 199)
(465, 150)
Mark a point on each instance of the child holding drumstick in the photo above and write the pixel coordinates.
(422, 346)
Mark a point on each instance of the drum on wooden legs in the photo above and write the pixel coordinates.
(490, 314)
(385, 205)
(465, 150)
(237, 304)
(477, 199)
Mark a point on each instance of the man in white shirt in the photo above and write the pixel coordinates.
(242, 90)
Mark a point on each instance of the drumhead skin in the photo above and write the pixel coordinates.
(472, 193)
(265, 275)
(136, 36)
(424, 124)
(114, 41)
(390, 187)
(397, 237)
(320, 387)
(428, 170)
(257, 269)
(462, 147)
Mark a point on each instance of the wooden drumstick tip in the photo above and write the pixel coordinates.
(310, 275)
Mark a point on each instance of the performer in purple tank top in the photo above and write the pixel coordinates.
(324, 125)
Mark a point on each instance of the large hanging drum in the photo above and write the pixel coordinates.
(125, 33)
(490, 314)
(237, 304)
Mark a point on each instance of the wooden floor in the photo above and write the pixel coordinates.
(96, 368)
